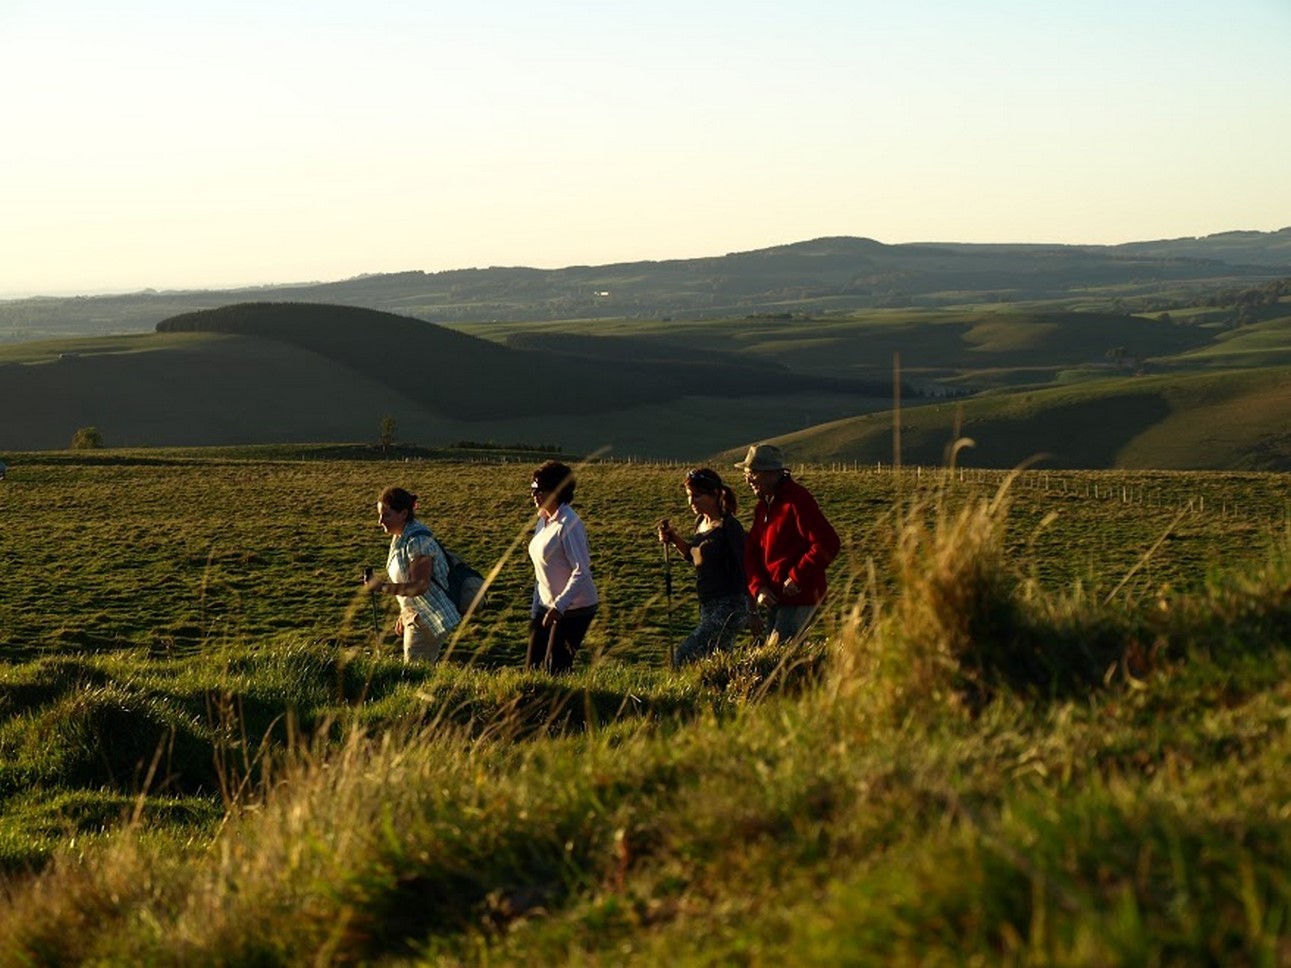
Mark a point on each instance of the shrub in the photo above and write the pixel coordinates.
(87, 438)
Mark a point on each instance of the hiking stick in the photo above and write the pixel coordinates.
(667, 587)
(551, 646)
(376, 626)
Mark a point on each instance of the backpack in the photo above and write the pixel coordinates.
(465, 584)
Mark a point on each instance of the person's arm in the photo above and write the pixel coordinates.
(573, 542)
(422, 550)
(418, 581)
(668, 535)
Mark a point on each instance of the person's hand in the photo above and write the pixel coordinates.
(791, 588)
(766, 597)
(551, 617)
(398, 625)
(666, 534)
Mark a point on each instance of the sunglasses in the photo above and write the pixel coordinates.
(703, 477)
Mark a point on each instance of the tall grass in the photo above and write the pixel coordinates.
(963, 769)
(968, 619)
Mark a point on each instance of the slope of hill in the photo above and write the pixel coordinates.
(1232, 420)
(962, 347)
(205, 389)
(1266, 343)
(467, 378)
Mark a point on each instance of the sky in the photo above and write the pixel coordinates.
(186, 144)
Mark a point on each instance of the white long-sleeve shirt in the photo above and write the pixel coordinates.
(562, 562)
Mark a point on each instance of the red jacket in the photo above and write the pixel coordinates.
(790, 540)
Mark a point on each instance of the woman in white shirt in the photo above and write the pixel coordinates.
(564, 595)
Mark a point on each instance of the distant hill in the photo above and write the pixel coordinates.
(829, 274)
(1271, 249)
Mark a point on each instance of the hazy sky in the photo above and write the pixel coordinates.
(194, 144)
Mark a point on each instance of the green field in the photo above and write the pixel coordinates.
(179, 552)
(1049, 729)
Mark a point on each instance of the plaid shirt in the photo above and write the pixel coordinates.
(433, 605)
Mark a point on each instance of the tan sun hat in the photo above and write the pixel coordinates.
(762, 457)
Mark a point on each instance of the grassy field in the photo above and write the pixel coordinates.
(1048, 727)
(179, 551)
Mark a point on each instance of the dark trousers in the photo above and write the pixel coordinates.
(553, 649)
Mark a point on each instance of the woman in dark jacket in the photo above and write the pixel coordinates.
(717, 551)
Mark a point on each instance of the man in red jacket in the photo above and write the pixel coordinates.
(789, 546)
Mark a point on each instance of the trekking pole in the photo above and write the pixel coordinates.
(367, 577)
(549, 662)
(667, 587)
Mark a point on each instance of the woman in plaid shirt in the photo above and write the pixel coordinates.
(418, 577)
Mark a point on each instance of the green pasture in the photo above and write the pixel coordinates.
(178, 555)
(1042, 721)
(48, 351)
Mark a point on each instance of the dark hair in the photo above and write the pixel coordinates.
(553, 476)
(397, 499)
(705, 480)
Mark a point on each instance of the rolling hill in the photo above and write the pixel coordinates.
(284, 372)
(1234, 420)
(468, 378)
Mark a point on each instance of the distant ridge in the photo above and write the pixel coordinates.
(836, 273)
(1157, 354)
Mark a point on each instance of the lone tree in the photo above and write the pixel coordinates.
(87, 438)
(386, 438)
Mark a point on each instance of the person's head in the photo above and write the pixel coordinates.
(708, 495)
(395, 509)
(763, 468)
(552, 485)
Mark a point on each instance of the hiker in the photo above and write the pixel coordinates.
(418, 577)
(789, 545)
(564, 595)
(717, 552)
